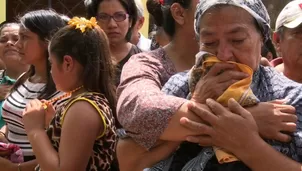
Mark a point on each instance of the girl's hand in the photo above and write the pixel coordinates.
(34, 116)
(49, 113)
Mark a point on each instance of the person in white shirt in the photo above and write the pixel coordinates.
(138, 38)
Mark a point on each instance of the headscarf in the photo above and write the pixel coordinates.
(254, 7)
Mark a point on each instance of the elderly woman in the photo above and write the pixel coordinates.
(149, 116)
(239, 39)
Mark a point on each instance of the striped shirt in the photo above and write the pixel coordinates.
(2, 73)
(12, 111)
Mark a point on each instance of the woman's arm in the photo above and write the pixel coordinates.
(134, 157)
(3, 134)
(7, 165)
(4, 129)
(143, 109)
(260, 156)
(82, 124)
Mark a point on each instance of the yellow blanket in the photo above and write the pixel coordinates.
(240, 91)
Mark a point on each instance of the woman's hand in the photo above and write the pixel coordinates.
(4, 90)
(214, 83)
(34, 116)
(229, 129)
(3, 138)
(274, 118)
(7, 165)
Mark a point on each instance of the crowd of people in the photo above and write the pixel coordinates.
(215, 88)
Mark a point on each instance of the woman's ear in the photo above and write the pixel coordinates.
(178, 13)
(68, 63)
(276, 41)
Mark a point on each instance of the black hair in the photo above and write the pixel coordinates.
(168, 20)
(154, 8)
(269, 47)
(44, 23)
(129, 5)
(91, 50)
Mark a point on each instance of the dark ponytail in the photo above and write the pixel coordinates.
(154, 8)
(168, 20)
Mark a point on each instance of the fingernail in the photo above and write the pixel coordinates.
(189, 139)
(209, 102)
(183, 120)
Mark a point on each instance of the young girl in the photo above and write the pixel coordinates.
(36, 28)
(82, 133)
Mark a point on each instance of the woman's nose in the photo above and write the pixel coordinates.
(112, 23)
(11, 43)
(224, 52)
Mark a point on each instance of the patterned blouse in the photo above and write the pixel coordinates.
(104, 145)
(142, 108)
(267, 85)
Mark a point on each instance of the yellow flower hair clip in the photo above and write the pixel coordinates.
(82, 23)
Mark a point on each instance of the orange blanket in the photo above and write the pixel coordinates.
(240, 91)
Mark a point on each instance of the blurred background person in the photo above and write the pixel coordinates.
(159, 38)
(11, 59)
(138, 38)
(117, 18)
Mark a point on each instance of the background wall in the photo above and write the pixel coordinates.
(145, 28)
(9, 9)
(2, 10)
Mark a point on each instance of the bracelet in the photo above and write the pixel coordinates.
(19, 168)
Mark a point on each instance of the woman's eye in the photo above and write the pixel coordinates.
(210, 44)
(3, 40)
(238, 41)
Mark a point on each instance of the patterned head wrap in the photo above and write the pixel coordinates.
(255, 7)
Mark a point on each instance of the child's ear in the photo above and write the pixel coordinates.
(68, 63)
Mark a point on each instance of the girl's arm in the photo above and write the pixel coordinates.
(82, 124)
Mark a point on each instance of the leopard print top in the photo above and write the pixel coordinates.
(104, 145)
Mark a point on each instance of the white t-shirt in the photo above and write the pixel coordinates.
(144, 44)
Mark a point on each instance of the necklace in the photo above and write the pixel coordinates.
(45, 104)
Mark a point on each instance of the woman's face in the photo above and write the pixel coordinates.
(31, 48)
(233, 38)
(8, 52)
(114, 20)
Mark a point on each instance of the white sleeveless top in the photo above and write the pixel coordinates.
(12, 110)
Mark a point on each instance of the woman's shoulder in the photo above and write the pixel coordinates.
(157, 57)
